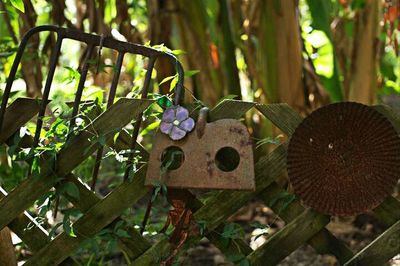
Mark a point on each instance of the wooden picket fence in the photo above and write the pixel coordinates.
(302, 225)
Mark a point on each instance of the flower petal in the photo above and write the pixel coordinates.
(187, 124)
(177, 133)
(165, 127)
(169, 115)
(181, 113)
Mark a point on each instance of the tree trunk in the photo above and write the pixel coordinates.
(364, 59)
(228, 50)
(279, 54)
(31, 66)
(202, 53)
(160, 27)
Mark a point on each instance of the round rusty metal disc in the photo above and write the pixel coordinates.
(344, 159)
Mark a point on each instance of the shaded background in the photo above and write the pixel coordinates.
(306, 53)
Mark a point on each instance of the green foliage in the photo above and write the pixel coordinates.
(18, 4)
(269, 140)
(238, 259)
(264, 229)
(231, 232)
(285, 198)
(159, 189)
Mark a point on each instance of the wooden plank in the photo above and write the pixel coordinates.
(388, 211)
(287, 120)
(230, 109)
(30, 232)
(95, 219)
(382, 249)
(282, 116)
(107, 124)
(75, 151)
(289, 238)
(225, 203)
(123, 143)
(135, 245)
(18, 114)
(154, 255)
(323, 242)
(36, 237)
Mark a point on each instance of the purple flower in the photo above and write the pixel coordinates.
(176, 122)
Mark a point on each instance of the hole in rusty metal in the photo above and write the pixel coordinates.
(172, 158)
(227, 159)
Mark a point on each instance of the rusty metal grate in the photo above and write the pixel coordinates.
(92, 41)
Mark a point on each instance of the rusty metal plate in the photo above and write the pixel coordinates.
(344, 159)
(209, 161)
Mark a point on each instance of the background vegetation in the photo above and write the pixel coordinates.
(306, 53)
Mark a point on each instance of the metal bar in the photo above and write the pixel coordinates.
(53, 64)
(11, 78)
(109, 42)
(136, 128)
(81, 85)
(115, 80)
(110, 101)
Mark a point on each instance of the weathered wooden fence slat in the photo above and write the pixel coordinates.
(388, 211)
(289, 238)
(382, 249)
(323, 242)
(135, 245)
(18, 114)
(302, 225)
(95, 219)
(69, 157)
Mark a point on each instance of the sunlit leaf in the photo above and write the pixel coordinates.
(190, 73)
(167, 79)
(18, 4)
(173, 83)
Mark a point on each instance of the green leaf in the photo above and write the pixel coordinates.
(173, 83)
(357, 4)
(178, 52)
(244, 262)
(202, 226)
(259, 225)
(18, 4)
(167, 79)
(190, 73)
(68, 229)
(279, 196)
(122, 233)
(288, 201)
(35, 165)
(116, 137)
(227, 97)
(238, 259)
(102, 140)
(159, 188)
(71, 189)
(232, 231)
(320, 13)
(164, 102)
(53, 230)
(268, 140)
(149, 128)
